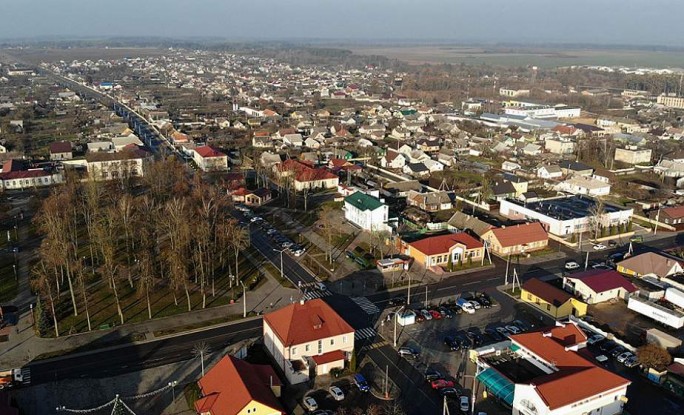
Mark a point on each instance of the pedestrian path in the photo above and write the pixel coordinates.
(366, 305)
(310, 295)
(26, 375)
(365, 333)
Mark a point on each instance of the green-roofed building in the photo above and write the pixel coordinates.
(366, 211)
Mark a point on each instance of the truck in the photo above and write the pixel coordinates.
(10, 378)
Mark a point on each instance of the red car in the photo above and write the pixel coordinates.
(442, 383)
(435, 314)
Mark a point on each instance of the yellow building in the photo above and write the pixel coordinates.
(441, 250)
(551, 300)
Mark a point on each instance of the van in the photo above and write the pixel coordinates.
(361, 383)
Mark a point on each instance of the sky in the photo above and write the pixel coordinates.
(652, 22)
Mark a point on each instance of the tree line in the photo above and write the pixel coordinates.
(168, 231)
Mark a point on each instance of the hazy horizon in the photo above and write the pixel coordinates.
(599, 22)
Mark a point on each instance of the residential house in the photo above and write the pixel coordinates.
(649, 264)
(418, 170)
(269, 160)
(510, 166)
(312, 143)
(517, 239)
(61, 150)
(598, 285)
(262, 142)
(16, 175)
(305, 176)
(503, 190)
(433, 165)
(429, 202)
(366, 212)
(532, 150)
(463, 222)
(442, 250)
(583, 185)
(236, 387)
(307, 336)
(428, 145)
(125, 164)
(550, 300)
(670, 168)
(549, 172)
(103, 146)
(673, 216)
(293, 140)
(209, 159)
(560, 146)
(257, 197)
(401, 189)
(575, 168)
(121, 142)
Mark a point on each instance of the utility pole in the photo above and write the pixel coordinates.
(426, 296)
(508, 261)
(408, 295)
(386, 381)
(244, 300)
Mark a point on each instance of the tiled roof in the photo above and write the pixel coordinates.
(673, 212)
(363, 202)
(649, 263)
(441, 244)
(576, 378)
(546, 292)
(520, 234)
(334, 356)
(302, 323)
(60, 147)
(233, 383)
(208, 151)
(600, 280)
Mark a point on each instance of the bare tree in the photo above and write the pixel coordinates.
(326, 216)
(42, 283)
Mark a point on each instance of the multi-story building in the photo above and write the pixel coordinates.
(209, 159)
(514, 93)
(671, 101)
(366, 212)
(126, 164)
(633, 155)
(307, 335)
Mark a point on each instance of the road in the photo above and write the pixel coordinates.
(135, 357)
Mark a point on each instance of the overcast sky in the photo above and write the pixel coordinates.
(519, 21)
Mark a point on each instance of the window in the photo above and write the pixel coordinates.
(293, 351)
(332, 342)
(320, 346)
(306, 348)
(529, 296)
(344, 339)
(548, 307)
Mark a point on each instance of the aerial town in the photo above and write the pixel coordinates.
(248, 231)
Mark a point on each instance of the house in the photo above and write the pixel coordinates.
(649, 264)
(393, 160)
(532, 150)
(401, 189)
(61, 150)
(560, 146)
(269, 160)
(119, 143)
(258, 197)
(575, 168)
(503, 190)
(549, 172)
(305, 176)
(122, 165)
(236, 387)
(429, 202)
(549, 372)
(209, 159)
(510, 166)
(633, 155)
(433, 165)
(584, 185)
(262, 142)
(442, 250)
(293, 140)
(464, 222)
(416, 170)
(517, 239)
(551, 300)
(312, 143)
(366, 212)
(307, 335)
(673, 216)
(104, 146)
(16, 175)
(598, 285)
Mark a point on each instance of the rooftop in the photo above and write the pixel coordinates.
(566, 208)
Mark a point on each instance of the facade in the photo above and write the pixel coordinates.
(235, 387)
(393, 160)
(633, 156)
(559, 146)
(598, 285)
(565, 215)
(305, 176)
(307, 336)
(28, 179)
(583, 185)
(670, 101)
(514, 93)
(549, 172)
(518, 239)
(442, 250)
(672, 216)
(550, 300)
(429, 202)
(108, 166)
(209, 159)
(61, 150)
(366, 212)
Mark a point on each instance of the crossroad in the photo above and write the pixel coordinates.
(366, 305)
(310, 295)
(365, 333)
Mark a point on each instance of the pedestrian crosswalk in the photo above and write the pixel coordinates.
(366, 305)
(311, 294)
(25, 375)
(365, 333)
(376, 345)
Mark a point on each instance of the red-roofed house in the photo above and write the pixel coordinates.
(306, 176)
(210, 159)
(236, 387)
(61, 150)
(598, 285)
(443, 249)
(672, 216)
(307, 335)
(551, 300)
(565, 382)
(518, 239)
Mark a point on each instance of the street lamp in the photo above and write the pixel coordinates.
(244, 300)
(408, 294)
(14, 267)
(281, 261)
(172, 384)
(396, 317)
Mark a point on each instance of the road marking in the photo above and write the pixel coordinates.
(401, 372)
(366, 305)
(365, 333)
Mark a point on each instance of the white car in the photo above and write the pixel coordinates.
(336, 393)
(464, 403)
(426, 314)
(310, 404)
(570, 265)
(513, 329)
(468, 308)
(475, 304)
(624, 356)
(321, 286)
(599, 247)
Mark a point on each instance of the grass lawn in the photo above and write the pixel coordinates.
(8, 282)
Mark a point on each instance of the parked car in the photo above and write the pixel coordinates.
(599, 247)
(464, 403)
(502, 331)
(336, 393)
(617, 351)
(607, 345)
(310, 404)
(521, 325)
(451, 343)
(445, 312)
(449, 392)
(442, 383)
(435, 314)
(484, 302)
(432, 374)
(397, 301)
(595, 339)
(513, 329)
(624, 356)
(361, 383)
(571, 265)
(465, 305)
(631, 362)
(464, 341)
(408, 352)
(494, 335)
(426, 314)
(475, 304)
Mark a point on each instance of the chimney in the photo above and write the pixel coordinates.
(547, 334)
(301, 302)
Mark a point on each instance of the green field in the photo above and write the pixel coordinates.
(519, 56)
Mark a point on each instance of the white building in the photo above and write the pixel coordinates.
(123, 165)
(583, 185)
(671, 101)
(514, 93)
(209, 159)
(366, 212)
(565, 215)
(559, 146)
(28, 179)
(633, 155)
